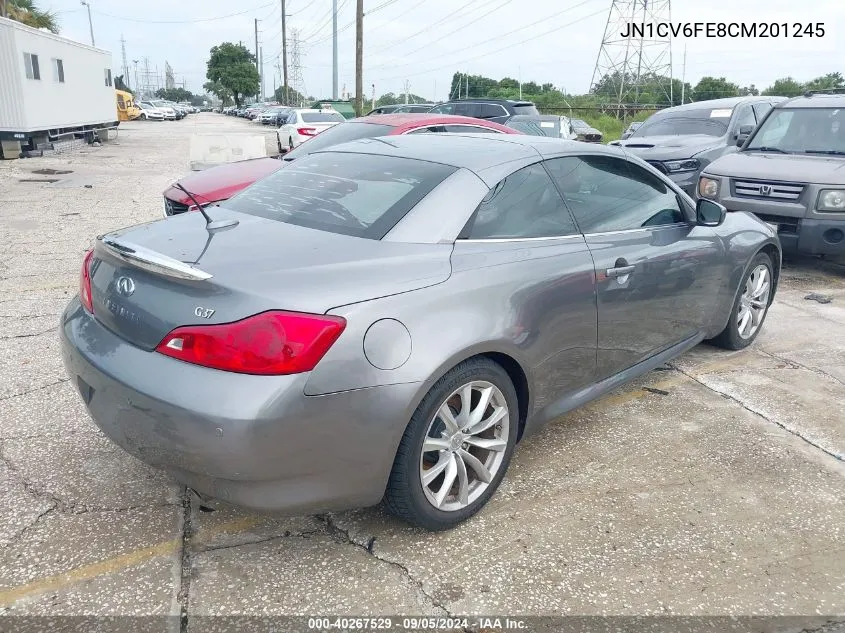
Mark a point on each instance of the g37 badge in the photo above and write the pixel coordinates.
(203, 313)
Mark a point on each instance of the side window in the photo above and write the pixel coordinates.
(466, 109)
(30, 63)
(611, 194)
(744, 116)
(525, 204)
(490, 110)
(427, 130)
(446, 108)
(761, 110)
(471, 129)
(58, 71)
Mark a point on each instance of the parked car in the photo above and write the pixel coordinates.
(683, 140)
(789, 172)
(275, 116)
(558, 126)
(491, 109)
(385, 109)
(397, 326)
(414, 108)
(219, 183)
(170, 113)
(526, 124)
(302, 124)
(586, 132)
(150, 112)
(631, 129)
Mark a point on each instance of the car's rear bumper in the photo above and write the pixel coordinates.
(256, 441)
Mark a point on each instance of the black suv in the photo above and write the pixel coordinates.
(498, 110)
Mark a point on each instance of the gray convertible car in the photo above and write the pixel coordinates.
(387, 318)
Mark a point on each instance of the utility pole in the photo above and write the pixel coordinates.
(90, 24)
(2, 8)
(261, 75)
(407, 88)
(359, 58)
(137, 85)
(466, 92)
(256, 45)
(374, 98)
(684, 75)
(334, 50)
(285, 55)
(520, 83)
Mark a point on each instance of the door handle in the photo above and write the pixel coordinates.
(619, 271)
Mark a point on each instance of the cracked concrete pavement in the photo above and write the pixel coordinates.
(714, 486)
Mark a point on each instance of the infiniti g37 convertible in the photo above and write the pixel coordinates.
(387, 318)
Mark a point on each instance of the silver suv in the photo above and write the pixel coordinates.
(790, 172)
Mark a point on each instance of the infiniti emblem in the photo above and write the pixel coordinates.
(765, 190)
(125, 286)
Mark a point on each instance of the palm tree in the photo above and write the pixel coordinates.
(26, 12)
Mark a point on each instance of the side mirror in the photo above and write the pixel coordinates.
(744, 132)
(709, 213)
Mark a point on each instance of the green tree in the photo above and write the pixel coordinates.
(233, 67)
(218, 90)
(25, 12)
(119, 84)
(295, 98)
(830, 81)
(714, 88)
(786, 87)
(174, 94)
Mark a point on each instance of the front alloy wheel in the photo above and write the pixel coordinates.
(754, 301)
(456, 448)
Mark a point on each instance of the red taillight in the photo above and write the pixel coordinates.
(306, 131)
(270, 343)
(85, 281)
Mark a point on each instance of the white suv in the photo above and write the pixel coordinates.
(304, 123)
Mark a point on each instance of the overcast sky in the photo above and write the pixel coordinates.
(425, 41)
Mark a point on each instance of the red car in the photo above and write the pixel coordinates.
(223, 182)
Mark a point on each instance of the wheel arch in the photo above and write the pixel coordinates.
(516, 369)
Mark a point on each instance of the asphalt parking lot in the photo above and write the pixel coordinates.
(714, 486)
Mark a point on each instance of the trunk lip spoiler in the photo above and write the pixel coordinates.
(151, 260)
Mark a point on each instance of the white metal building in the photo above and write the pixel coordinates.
(51, 87)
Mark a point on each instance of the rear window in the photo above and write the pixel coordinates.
(707, 121)
(527, 108)
(321, 117)
(362, 195)
(339, 134)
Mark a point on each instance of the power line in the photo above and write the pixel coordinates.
(327, 14)
(454, 63)
(498, 37)
(191, 21)
(425, 28)
(461, 27)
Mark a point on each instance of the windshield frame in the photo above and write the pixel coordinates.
(381, 130)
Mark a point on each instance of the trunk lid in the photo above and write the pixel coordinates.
(148, 279)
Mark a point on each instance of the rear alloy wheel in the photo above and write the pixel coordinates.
(750, 307)
(457, 447)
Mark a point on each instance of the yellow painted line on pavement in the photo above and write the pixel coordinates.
(136, 557)
(119, 563)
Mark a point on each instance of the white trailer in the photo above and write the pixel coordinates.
(51, 89)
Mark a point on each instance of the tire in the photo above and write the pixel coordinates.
(290, 144)
(733, 337)
(143, 116)
(406, 496)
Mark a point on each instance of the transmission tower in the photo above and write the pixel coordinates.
(297, 82)
(169, 80)
(125, 65)
(634, 53)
